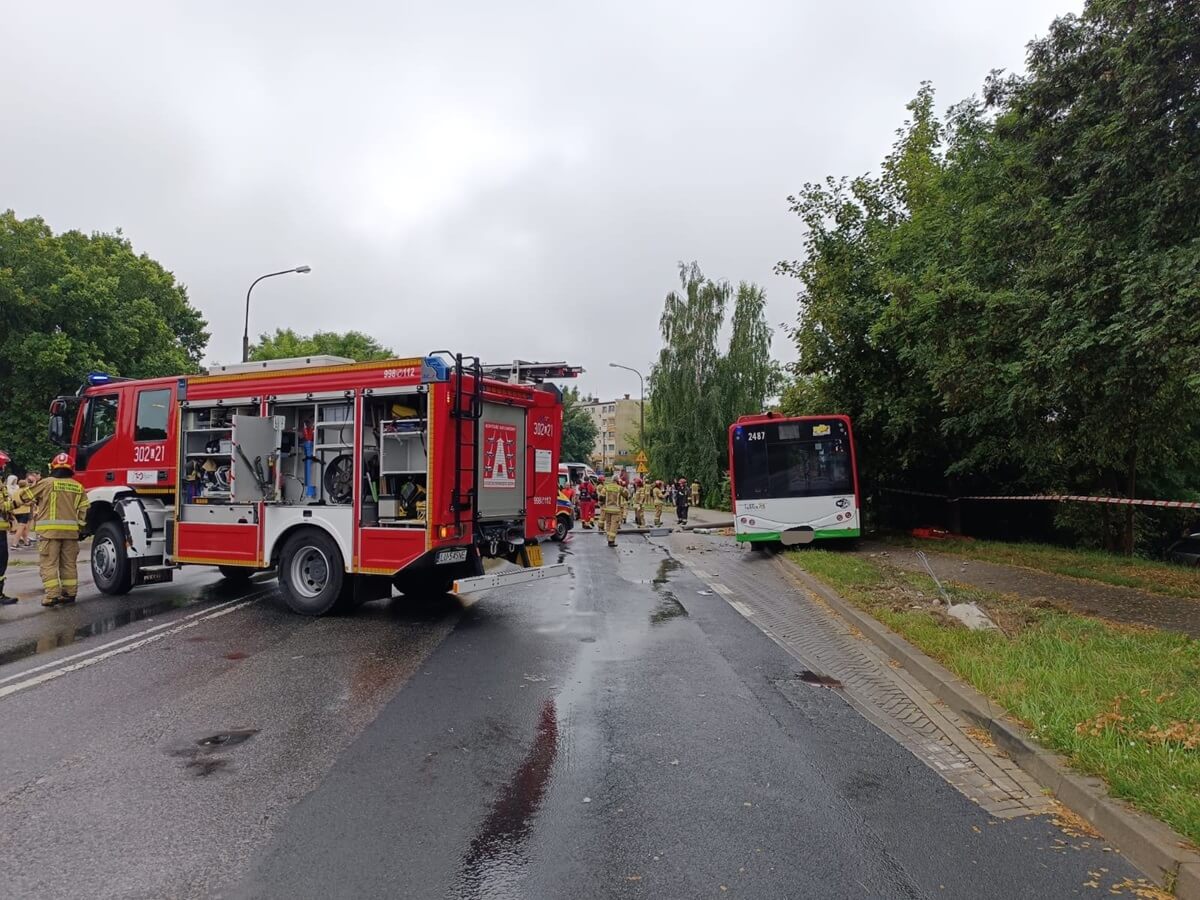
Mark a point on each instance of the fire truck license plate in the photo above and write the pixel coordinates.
(451, 556)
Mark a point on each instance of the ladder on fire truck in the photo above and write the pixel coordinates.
(521, 371)
(464, 501)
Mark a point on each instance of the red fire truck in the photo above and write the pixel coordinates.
(347, 478)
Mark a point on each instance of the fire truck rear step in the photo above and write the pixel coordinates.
(503, 579)
(156, 574)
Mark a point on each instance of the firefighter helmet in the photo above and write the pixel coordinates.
(60, 461)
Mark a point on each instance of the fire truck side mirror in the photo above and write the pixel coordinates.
(57, 429)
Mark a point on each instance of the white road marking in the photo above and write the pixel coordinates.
(741, 607)
(131, 637)
(131, 642)
(723, 590)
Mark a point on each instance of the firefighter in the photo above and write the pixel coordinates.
(587, 504)
(613, 498)
(6, 508)
(639, 503)
(681, 501)
(60, 507)
(695, 493)
(658, 496)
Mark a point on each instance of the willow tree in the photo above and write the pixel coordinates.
(697, 388)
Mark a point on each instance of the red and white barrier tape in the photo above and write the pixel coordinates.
(1077, 498)
(1115, 501)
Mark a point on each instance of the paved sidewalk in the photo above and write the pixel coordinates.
(1087, 597)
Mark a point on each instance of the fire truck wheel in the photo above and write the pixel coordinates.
(561, 527)
(311, 572)
(110, 561)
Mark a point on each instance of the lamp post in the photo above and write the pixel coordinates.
(641, 404)
(299, 270)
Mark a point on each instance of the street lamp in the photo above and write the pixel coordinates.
(299, 270)
(641, 404)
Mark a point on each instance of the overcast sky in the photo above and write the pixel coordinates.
(502, 178)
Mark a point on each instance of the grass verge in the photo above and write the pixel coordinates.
(1090, 565)
(1120, 702)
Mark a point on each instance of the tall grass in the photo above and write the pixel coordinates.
(1121, 702)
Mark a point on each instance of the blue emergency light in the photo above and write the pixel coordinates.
(95, 379)
(434, 369)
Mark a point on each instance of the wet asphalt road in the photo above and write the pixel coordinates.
(614, 733)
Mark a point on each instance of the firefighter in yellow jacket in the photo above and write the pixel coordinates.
(613, 499)
(60, 507)
(639, 503)
(658, 495)
(6, 508)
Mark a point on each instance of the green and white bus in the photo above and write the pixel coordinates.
(794, 479)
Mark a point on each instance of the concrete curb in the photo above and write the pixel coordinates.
(1152, 846)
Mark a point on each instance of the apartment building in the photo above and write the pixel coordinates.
(616, 431)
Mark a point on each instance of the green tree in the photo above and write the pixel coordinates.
(1108, 124)
(286, 344)
(579, 429)
(696, 391)
(1010, 305)
(74, 303)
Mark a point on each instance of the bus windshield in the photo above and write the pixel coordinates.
(809, 458)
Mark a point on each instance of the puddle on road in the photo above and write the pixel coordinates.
(62, 634)
(62, 626)
(665, 568)
(227, 738)
(494, 865)
(810, 677)
(668, 608)
(201, 754)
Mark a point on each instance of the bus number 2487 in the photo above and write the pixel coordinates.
(756, 435)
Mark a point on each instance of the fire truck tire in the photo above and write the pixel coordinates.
(235, 574)
(111, 570)
(311, 572)
(561, 526)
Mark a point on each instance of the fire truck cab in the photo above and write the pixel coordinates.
(346, 478)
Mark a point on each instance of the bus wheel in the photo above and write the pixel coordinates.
(110, 560)
(311, 572)
(235, 574)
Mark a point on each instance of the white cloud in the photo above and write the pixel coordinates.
(512, 179)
